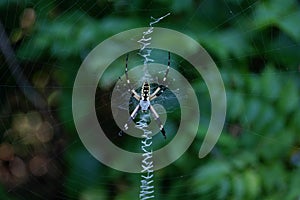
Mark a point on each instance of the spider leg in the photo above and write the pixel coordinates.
(135, 95)
(161, 88)
(126, 71)
(158, 121)
(133, 92)
(168, 68)
(130, 119)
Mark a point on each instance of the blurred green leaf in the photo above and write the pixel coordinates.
(208, 176)
(235, 105)
(252, 110)
(268, 12)
(225, 186)
(252, 184)
(290, 24)
(294, 193)
(270, 83)
(254, 85)
(238, 187)
(93, 194)
(289, 97)
(228, 43)
(266, 116)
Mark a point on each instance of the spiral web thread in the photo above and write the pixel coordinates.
(147, 187)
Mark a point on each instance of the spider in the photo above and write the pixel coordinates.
(145, 99)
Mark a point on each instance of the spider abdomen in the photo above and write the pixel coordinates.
(145, 92)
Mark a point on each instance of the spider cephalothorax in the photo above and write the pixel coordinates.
(145, 98)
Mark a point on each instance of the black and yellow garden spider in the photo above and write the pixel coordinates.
(145, 98)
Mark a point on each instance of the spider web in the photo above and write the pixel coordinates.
(62, 168)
